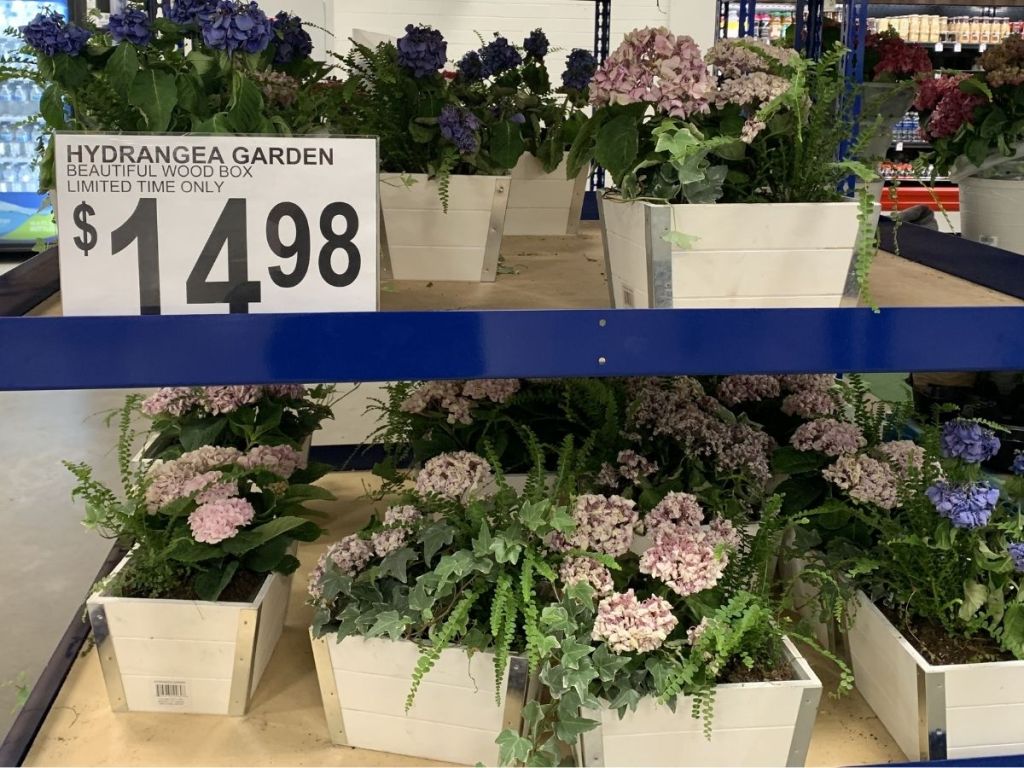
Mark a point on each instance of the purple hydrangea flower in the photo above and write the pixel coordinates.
(233, 26)
(459, 127)
(966, 506)
(132, 25)
(471, 67)
(1018, 464)
(293, 42)
(51, 34)
(1016, 552)
(629, 625)
(537, 44)
(498, 56)
(422, 50)
(187, 12)
(968, 440)
(519, 118)
(580, 66)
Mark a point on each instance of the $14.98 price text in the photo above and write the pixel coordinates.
(230, 230)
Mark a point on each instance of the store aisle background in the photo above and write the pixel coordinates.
(47, 558)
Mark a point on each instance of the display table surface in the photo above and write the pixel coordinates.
(286, 724)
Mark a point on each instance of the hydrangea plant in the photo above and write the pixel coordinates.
(195, 522)
(211, 66)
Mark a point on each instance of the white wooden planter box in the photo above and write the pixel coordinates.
(187, 655)
(744, 255)
(935, 712)
(541, 203)
(755, 724)
(455, 718)
(419, 241)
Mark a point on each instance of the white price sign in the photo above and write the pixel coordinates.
(167, 224)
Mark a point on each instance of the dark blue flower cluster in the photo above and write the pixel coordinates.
(186, 12)
(968, 506)
(131, 25)
(422, 50)
(236, 26)
(580, 66)
(471, 68)
(537, 44)
(293, 42)
(498, 56)
(459, 127)
(1018, 464)
(1016, 552)
(968, 440)
(50, 34)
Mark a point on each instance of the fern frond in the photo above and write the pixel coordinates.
(453, 625)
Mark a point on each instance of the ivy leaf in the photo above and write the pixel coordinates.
(389, 623)
(122, 67)
(545, 645)
(533, 714)
(975, 595)
(458, 564)
(396, 564)
(568, 729)
(420, 600)
(434, 537)
(617, 145)
(573, 653)
(156, 95)
(506, 551)
(554, 618)
(335, 582)
(482, 543)
(535, 514)
(561, 520)
(512, 748)
(608, 664)
(200, 433)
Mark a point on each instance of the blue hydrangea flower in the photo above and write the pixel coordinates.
(580, 66)
(50, 34)
(498, 56)
(967, 506)
(518, 118)
(293, 42)
(132, 25)
(459, 127)
(1016, 552)
(422, 50)
(537, 44)
(471, 68)
(1018, 464)
(968, 440)
(234, 26)
(186, 12)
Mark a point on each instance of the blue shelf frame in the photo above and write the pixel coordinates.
(112, 352)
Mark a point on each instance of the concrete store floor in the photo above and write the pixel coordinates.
(47, 559)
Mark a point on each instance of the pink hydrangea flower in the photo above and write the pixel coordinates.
(733, 390)
(457, 398)
(633, 466)
(810, 403)
(723, 532)
(495, 390)
(629, 625)
(693, 634)
(865, 479)
(686, 560)
(396, 534)
(350, 554)
(603, 524)
(220, 520)
(228, 399)
(289, 391)
(209, 457)
(828, 436)
(281, 460)
(652, 65)
(577, 569)
(798, 382)
(453, 475)
(904, 456)
(675, 510)
(174, 401)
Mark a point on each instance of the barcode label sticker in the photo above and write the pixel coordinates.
(171, 693)
(938, 47)
(957, 48)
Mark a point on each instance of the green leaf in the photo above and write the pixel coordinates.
(300, 492)
(573, 653)
(735, 150)
(582, 150)
(554, 618)
(261, 534)
(561, 520)
(51, 107)
(977, 86)
(287, 564)
(201, 433)
(789, 461)
(978, 150)
(422, 132)
(156, 95)
(203, 63)
(209, 584)
(1013, 630)
(70, 71)
(245, 112)
(185, 550)
(617, 145)
(419, 599)
(122, 67)
(505, 550)
(801, 493)
(568, 729)
(267, 557)
(512, 748)
(608, 664)
(535, 514)
(533, 714)
(506, 144)
(434, 537)
(178, 507)
(457, 564)
(975, 595)
(993, 124)
(389, 623)
(396, 563)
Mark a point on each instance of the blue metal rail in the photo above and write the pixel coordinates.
(107, 352)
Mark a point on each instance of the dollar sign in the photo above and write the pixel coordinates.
(87, 240)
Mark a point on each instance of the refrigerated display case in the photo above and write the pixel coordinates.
(25, 216)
